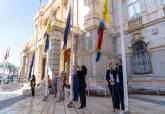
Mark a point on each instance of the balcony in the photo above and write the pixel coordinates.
(135, 23)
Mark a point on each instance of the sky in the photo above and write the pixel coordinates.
(16, 26)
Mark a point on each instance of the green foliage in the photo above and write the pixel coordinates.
(10, 67)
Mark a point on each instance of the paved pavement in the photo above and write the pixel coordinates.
(138, 104)
(95, 105)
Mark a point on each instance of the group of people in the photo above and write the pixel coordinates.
(114, 77)
(59, 82)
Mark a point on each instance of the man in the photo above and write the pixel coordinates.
(81, 74)
(33, 84)
(55, 80)
(119, 83)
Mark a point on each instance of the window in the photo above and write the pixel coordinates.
(159, 2)
(134, 8)
(141, 58)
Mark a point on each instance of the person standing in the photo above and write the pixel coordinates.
(81, 73)
(119, 83)
(64, 84)
(49, 84)
(75, 83)
(33, 84)
(60, 87)
(111, 77)
(55, 80)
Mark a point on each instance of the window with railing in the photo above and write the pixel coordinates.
(134, 8)
(141, 58)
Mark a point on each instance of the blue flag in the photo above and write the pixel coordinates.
(67, 29)
(46, 36)
(31, 66)
(98, 55)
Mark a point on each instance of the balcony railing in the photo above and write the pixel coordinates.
(135, 22)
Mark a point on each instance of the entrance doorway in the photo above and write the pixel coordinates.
(43, 68)
(67, 54)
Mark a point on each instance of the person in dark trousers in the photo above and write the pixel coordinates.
(111, 77)
(75, 84)
(119, 83)
(81, 73)
(55, 80)
(33, 84)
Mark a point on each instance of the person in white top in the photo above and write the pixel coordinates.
(111, 79)
(60, 86)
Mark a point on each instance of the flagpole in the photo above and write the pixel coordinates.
(48, 55)
(72, 51)
(123, 55)
(36, 42)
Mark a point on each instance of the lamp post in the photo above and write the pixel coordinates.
(123, 54)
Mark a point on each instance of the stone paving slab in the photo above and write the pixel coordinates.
(95, 105)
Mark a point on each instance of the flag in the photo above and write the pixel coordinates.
(6, 56)
(31, 66)
(105, 12)
(100, 39)
(46, 37)
(67, 29)
(49, 29)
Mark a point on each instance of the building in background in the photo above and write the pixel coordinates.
(144, 25)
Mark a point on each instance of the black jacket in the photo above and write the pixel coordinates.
(119, 70)
(81, 80)
(108, 75)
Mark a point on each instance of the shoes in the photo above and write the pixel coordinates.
(81, 107)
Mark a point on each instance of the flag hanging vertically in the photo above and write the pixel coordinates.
(105, 12)
(49, 29)
(100, 39)
(46, 37)
(6, 56)
(31, 66)
(67, 29)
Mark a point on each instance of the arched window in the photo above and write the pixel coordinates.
(141, 58)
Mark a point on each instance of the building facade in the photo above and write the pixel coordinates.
(144, 25)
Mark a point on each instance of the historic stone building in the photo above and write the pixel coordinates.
(144, 28)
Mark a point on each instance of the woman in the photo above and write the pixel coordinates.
(33, 84)
(111, 77)
(81, 73)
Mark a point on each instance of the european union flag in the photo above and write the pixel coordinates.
(67, 29)
(46, 36)
(31, 66)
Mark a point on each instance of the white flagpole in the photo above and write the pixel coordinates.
(48, 57)
(72, 50)
(123, 55)
(36, 42)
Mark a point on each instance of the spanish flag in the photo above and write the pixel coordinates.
(100, 39)
(105, 12)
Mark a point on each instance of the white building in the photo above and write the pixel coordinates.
(144, 29)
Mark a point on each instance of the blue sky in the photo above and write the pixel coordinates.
(16, 26)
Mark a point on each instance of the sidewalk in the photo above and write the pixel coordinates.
(95, 105)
